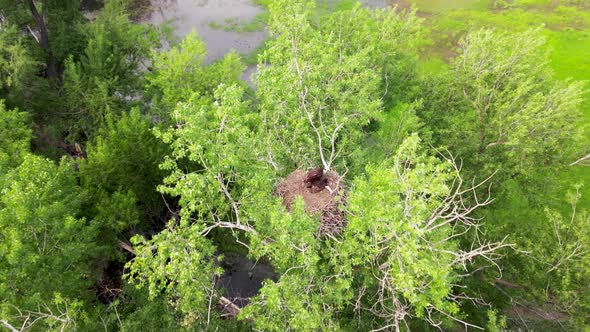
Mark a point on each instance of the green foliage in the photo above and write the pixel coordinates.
(552, 259)
(403, 251)
(218, 170)
(45, 247)
(501, 109)
(20, 66)
(116, 46)
(154, 315)
(210, 162)
(337, 84)
(17, 66)
(332, 74)
(382, 143)
(495, 323)
(107, 77)
(179, 262)
(179, 73)
(216, 140)
(564, 250)
(414, 258)
(15, 138)
(58, 314)
(292, 304)
(61, 18)
(304, 298)
(124, 157)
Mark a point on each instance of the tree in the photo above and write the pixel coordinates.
(564, 256)
(107, 77)
(15, 138)
(500, 107)
(210, 152)
(319, 278)
(501, 110)
(59, 315)
(180, 72)
(17, 66)
(52, 26)
(123, 157)
(46, 249)
(547, 272)
(396, 262)
(319, 85)
(43, 40)
(222, 168)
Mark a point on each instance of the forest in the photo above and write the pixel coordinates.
(328, 165)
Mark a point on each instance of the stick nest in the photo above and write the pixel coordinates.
(325, 200)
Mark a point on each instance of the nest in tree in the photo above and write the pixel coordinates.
(321, 194)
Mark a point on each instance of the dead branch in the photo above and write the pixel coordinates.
(455, 211)
(584, 161)
(234, 204)
(8, 326)
(127, 247)
(228, 308)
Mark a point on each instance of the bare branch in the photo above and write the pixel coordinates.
(127, 247)
(584, 161)
(8, 326)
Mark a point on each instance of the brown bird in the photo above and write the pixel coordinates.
(314, 175)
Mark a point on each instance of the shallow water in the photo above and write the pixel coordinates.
(243, 278)
(185, 16)
(376, 3)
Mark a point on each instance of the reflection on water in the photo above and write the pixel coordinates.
(187, 15)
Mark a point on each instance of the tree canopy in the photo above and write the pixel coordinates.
(345, 188)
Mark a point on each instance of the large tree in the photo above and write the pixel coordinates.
(322, 81)
(107, 77)
(46, 248)
(223, 170)
(500, 108)
(52, 25)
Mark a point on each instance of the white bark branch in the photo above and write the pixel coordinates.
(581, 161)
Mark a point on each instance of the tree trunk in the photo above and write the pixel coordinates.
(44, 37)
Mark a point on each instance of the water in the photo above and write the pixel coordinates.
(243, 278)
(185, 16)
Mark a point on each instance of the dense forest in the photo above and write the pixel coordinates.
(405, 167)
